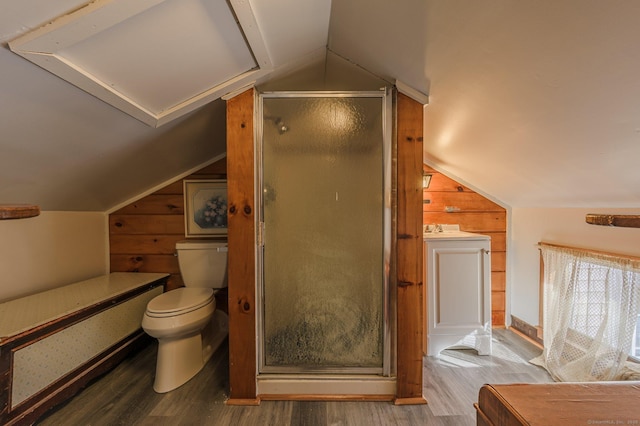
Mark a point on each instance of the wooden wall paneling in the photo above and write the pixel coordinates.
(470, 221)
(498, 261)
(410, 315)
(175, 281)
(167, 263)
(498, 319)
(497, 298)
(498, 240)
(242, 274)
(159, 224)
(441, 182)
(464, 201)
(143, 234)
(498, 281)
(148, 244)
(173, 188)
(217, 170)
(474, 213)
(155, 204)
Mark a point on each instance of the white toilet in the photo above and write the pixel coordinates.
(185, 321)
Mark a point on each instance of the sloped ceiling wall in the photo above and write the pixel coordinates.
(533, 103)
(64, 149)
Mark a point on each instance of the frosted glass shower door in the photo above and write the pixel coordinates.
(323, 213)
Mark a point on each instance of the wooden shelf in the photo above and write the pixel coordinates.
(627, 221)
(18, 211)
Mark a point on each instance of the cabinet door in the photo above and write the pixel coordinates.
(459, 294)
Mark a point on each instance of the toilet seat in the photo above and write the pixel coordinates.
(179, 301)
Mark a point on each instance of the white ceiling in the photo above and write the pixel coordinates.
(534, 104)
(194, 50)
(65, 149)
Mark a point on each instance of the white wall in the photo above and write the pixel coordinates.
(566, 226)
(50, 250)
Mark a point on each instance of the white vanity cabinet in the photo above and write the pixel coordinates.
(458, 300)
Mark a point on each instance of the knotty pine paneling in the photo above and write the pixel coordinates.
(465, 201)
(474, 213)
(497, 298)
(498, 317)
(498, 241)
(242, 273)
(498, 281)
(147, 244)
(155, 204)
(167, 263)
(410, 276)
(498, 261)
(480, 222)
(160, 224)
(143, 234)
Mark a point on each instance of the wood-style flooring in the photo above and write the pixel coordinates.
(125, 396)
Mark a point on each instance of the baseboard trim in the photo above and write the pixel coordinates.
(527, 330)
(419, 400)
(311, 397)
(336, 387)
(242, 401)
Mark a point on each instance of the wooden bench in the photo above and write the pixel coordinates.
(593, 403)
(54, 342)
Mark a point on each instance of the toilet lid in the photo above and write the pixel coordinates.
(184, 299)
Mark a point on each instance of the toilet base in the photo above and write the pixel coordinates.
(178, 361)
(181, 359)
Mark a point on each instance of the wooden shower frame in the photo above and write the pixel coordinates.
(242, 256)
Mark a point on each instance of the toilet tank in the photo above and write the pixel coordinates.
(203, 263)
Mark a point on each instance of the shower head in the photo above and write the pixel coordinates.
(282, 128)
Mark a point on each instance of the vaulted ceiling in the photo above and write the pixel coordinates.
(534, 104)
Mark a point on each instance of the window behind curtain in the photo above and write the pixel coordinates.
(591, 309)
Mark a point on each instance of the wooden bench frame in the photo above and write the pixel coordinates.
(68, 385)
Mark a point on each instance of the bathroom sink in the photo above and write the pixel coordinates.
(437, 228)
(451, 232)
(450, 235)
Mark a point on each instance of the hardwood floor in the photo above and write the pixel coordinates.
(124, 396)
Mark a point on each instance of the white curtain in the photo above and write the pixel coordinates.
(591, 305)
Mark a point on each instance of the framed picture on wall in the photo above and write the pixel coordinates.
(205, 207)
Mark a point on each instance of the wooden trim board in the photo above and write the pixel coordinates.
(622, 220)
(241, 239)
(410, 309)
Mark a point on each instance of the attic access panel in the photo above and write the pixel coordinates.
(155, 60)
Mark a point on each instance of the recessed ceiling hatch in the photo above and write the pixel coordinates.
(155, 60)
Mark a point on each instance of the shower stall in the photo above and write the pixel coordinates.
(325, 171)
